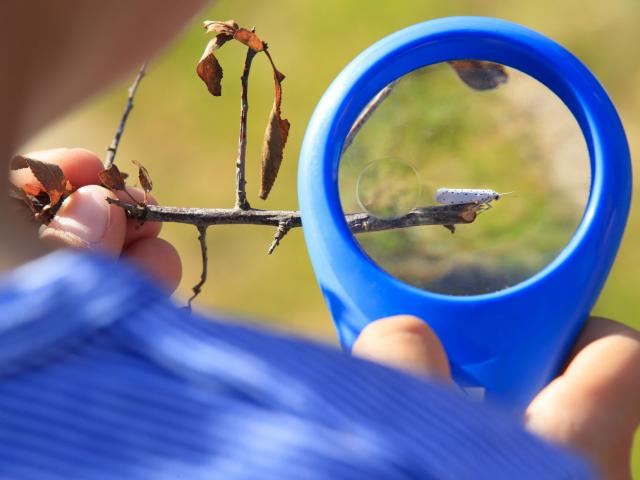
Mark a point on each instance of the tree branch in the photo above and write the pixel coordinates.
(241, 193)
(283, 229)
(366, 114)
(202, 238)
(113, 148)
(357, 222)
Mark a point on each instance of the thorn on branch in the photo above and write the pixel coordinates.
(283, 229)
(197, 288)
(113, 148)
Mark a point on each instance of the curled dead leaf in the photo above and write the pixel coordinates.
(480, 75)
(19, 162)
(112, 179)
(20, 194)
(51, 178)
(214, 26)
(275, 137)
(144, 178)
(250, 39)
(33, 190)
(208, 68)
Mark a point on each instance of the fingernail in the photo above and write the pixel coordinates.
(82, 220)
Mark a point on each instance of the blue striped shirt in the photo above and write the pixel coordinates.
(103, 377)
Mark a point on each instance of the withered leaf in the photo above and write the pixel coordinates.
(480, 75)
(19, 162)
(144, 177)
(31, 189)
(112, 178)
(19, 194)
(208, 68)
(214, 26)
(275, 137)
(51, 178)
(250, 39)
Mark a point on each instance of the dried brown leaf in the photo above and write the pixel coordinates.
(16, 192)
(275, 137)
(19, 194)
(214, 26)
(31, 189)
(112, 178)
(250, 39)
(480, 75)
(19, 162)
(51, 178)
(144, 177)
(208, 68)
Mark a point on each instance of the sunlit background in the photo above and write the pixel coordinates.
(188, 139)
(434, 133)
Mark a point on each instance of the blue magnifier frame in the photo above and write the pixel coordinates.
(511, 342)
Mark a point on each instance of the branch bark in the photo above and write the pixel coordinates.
(197, 288)
(241, 192)
(364, 116)
(113, 148)
(357, 222)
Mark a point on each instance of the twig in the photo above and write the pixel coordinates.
(202, 238)
(113, 148)
(283, 229)
(357, 222)
(241, 193)
(366, 114)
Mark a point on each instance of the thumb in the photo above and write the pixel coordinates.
(85, 220)
(407, 343)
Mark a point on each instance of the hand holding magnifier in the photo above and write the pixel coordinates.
(510, 341)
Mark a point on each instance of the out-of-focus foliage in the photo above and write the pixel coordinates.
(516, 136)
(185, 138)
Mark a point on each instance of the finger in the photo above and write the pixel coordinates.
(594, 406)
(85, 220)
(606, 364)
(136, 230)
(404, 342)
(158, 258)
(80, 166)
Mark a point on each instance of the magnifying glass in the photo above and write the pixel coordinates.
(429, 128)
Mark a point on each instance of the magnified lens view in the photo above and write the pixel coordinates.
(387, 188)
(483, 169)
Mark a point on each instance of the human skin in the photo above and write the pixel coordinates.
(56, 54)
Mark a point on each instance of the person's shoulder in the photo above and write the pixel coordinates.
(159, 389)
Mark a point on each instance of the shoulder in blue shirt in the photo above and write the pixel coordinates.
(103, 377)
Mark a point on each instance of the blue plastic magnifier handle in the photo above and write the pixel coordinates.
(513, 341)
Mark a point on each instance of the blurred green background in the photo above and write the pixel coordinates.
(187, 139)
(434, 131)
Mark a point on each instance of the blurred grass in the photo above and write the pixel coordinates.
(187, 139)
(518, 138)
